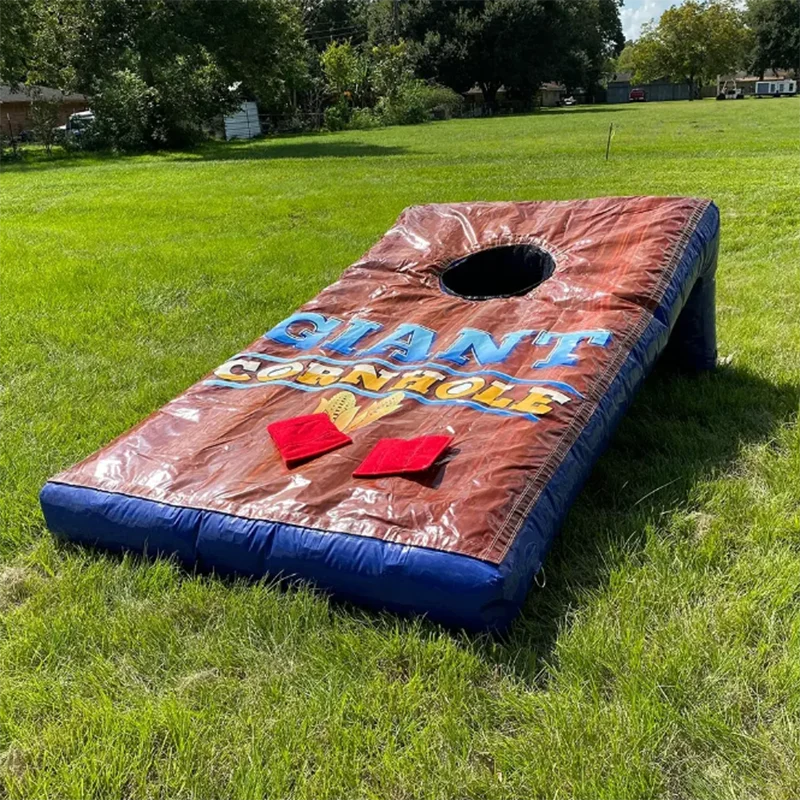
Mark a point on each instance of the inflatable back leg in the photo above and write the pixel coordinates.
(692, 344)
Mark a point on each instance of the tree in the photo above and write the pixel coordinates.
(390, 69)
(693, 42)
(346, 71)
(516, 44)
(776, 28)
(164, 68)
(44, 118)
(492, 43)
(17, 23)
(591, 38)
(327, 21)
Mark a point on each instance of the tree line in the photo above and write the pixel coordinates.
(158, 72)
(698, 41)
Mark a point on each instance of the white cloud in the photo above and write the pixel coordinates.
(636, 13)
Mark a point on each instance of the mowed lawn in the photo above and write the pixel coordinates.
(659, 656)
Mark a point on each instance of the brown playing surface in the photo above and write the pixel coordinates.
(209, 447)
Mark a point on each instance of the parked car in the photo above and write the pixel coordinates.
(77, 124)
(637, 96)
(566, 101)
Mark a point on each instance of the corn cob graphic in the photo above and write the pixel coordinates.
(374, 411)
(341, 408)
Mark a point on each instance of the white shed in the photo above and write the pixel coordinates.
(776, 87)
(243, 124)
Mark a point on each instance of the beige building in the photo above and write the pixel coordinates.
(550, 94)
(15, 106)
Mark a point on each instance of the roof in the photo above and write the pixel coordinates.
(547, 86)
(476, 90)
(24, 94)
(769, 75)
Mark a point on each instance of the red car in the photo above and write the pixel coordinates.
(637, 96)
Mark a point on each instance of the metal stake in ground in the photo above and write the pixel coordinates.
(608, 143)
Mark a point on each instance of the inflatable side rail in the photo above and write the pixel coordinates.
(448, 397)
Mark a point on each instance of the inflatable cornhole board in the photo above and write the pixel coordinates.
(505, 339)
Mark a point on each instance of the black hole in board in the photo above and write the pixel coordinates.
(507, 271)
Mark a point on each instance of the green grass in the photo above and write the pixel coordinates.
(660, 659)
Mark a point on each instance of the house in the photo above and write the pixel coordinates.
(15, 106)
(550, 93)
(474, 104)
(747, 83)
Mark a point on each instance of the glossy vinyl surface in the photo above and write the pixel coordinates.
(391, 355)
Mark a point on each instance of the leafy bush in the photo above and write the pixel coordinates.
(124, 110)
(390, 69)
(375, 86)
(363, 119)
(10, 148)
(191, 89)
(406, 106)
(416, 101)
(294, 122)
(346, 71)
(337, 117)
(442, 101)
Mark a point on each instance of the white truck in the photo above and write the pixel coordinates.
(776, 87)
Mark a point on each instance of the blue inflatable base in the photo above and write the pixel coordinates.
(456, 590)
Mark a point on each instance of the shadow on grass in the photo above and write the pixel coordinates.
(679, 431)
(320, 146)
(34, 159)
(596, 109)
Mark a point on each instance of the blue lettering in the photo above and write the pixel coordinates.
(563, 354)
(345, 343)
(303, 331)
(480, 344)
(408, 343)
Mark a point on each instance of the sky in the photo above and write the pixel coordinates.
(636, 12)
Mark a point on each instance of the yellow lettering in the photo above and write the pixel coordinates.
(365, 375)
(275, 372)
(320, 375)
(490, 396)
(539, 401)
(420, 380)
(462, 387)
(245, 366)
